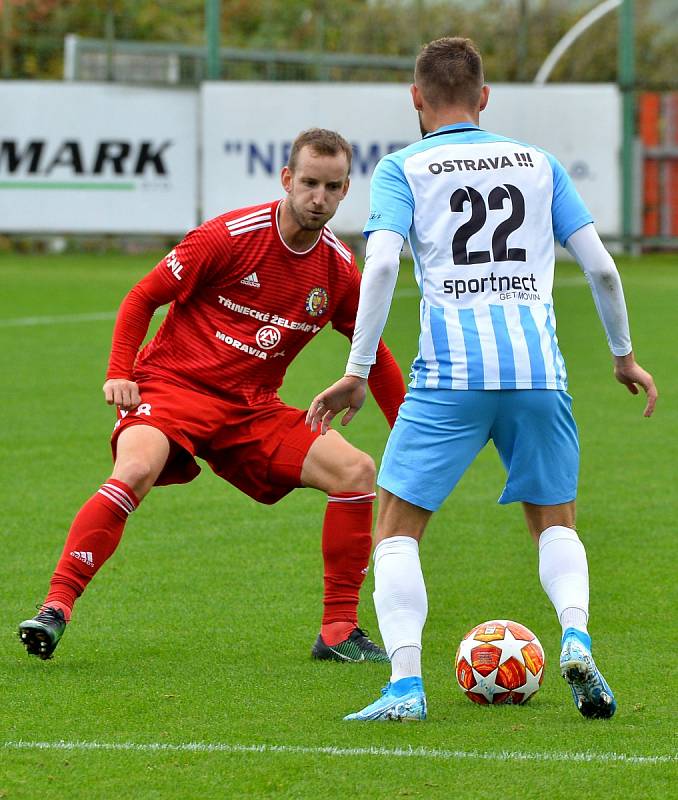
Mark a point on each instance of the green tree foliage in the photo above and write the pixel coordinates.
(514, 37)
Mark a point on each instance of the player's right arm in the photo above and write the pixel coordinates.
(391, 211)
(131, 327)
(608, 295)
(189, 265)
(382, 262)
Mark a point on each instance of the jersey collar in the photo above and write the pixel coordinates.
(279, 236)
(458, 127)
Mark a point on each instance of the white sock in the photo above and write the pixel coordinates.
(564, 574)
(574, 618)
(400, 602)
(406, 663)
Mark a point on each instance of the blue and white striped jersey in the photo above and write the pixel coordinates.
(480, 212)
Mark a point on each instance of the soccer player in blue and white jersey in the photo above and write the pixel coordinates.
(481, 212)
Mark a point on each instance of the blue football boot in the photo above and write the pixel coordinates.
(592, 695)
(402, 701)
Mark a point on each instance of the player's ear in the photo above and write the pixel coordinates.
(416, 97)
(347, 183)
(286, 178)
(484, 97)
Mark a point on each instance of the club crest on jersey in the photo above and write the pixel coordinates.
(268, 337)
(316, 302)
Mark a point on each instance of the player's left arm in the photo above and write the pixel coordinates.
(382, 263)
(386, 383)
(608, 295)
(385, 379)
(573, 227)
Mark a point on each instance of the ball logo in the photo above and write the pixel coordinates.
(268, 337)
(316, 302)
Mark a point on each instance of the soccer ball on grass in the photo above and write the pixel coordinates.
(498, 662)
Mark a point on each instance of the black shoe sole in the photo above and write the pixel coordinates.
(37, 643)
(592, 711)
(587, 708)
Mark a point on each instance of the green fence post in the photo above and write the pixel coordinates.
(626, 80)
(212, 14)
(6, 40)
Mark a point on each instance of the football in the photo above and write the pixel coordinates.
(498, 662)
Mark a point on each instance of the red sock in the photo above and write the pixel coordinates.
(347, 541)
(92, 539)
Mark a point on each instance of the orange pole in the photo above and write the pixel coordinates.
(649, 115)
(672, 170)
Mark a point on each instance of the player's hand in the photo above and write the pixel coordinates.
(122, 393)
(632, 375)
(349, 392)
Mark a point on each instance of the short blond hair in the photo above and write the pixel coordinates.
(322, 142)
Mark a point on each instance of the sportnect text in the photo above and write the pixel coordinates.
(502, 283)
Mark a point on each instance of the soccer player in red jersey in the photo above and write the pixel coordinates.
(248, 290)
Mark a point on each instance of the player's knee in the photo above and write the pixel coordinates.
(137, 473)
(358, 474)
(539, 518)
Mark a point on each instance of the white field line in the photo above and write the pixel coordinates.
(65, 319)
(99, 316)
(397, 752)
(26, 322)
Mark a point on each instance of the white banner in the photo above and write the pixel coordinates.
(580, 124)
(247, 129)
(103, 158)
(97, 158)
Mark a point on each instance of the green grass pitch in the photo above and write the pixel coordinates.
(186, 672)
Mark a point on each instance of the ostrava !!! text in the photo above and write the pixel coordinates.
(479, 164)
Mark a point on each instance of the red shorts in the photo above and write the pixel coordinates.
(260, 449)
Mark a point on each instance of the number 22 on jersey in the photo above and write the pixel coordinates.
(496, 199)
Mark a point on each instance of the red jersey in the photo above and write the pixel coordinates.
(245, 304)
